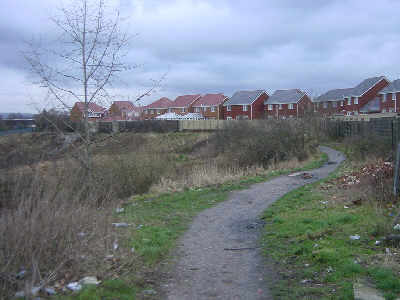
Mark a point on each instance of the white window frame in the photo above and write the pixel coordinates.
(151, 111)
(341, 103)
(392, 110)
(290, 106)
(245, 107)
(229, 118)
(324, 104)
(290, 117)
(270, 107)
(384, 110)
(237, 117)
(383, 97)
(158, 111)
(228, 108)
(394, 97)
(348, 113)
(355, 100)
(245, 117)
(279, 106)
(213, 108)
(349, 101)
(316, 104)
(170, 110)
(334, 104)
(183, 109)
(197, 109)
(204, 109)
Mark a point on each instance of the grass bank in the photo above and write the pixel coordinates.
(308, 237)
(156, 223)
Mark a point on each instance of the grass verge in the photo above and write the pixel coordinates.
(308, 237)
(157, 221)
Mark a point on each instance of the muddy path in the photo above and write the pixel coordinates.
(219, 256)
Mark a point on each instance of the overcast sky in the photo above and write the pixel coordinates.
(224, 46)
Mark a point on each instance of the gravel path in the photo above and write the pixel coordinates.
(219, 256)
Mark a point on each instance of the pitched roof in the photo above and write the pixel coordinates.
(92, 106)
(163, 102)
(211, 100)
(365, 85)
(244, 97)
(372, 106)
(285, 96)
(393, 86)
(333, 95)
(184, 101)
(123, 104)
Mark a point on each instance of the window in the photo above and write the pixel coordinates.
(290, 105)
(384, 98)
(290, 117)
(394, 96)
(349, 101)
(129, 114)
(204, 109)
(348, 113)
(197, 109)
(183, 109)
(245, 117)
(280, 106)
(334, 104)
(356, 112)
(355, 100)
(270, 107)
(152, 111)
(229, 118)
(228, 108)
(384, 110)
(213, 108)
(341, 103)
(170, 110)
(158, 111)
(244, 107)
(392, 110)
(316, 104)
(237, 117)
(213, 118)
(324, 104)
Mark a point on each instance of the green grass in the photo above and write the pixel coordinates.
(159, 220)
(302, 231)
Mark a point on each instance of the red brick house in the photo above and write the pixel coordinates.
(245, 105)
(390, 97)
(210, 106)
(95, 112)
(156, 108)
(331, 102)
(287, 104)
(183, 104)
(363, 93)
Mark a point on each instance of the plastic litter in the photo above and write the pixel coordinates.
(75, 286)
(345, 206)
(118, 210)
(81, 233)
(20, 274)
(50, 290)
(294, 174)
(115, 247)
(151, 291)
(120, 224)
(396, 227)
(354, 237)
(19, 295)
(89, 280)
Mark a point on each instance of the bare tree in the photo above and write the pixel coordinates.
(86, 63)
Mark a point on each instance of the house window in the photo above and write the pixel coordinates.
(229, 118)
(290, 105)
(158, 111)
(197, 109)
(270, 107)
(334, 104)
(245, 117)
(356, 100)
(204, 109)
(290, 117)
(384, 110)
(394, 96)
(316, 104)
(392, 110)
(384, 98)
(152, 111)
(237, 117)
(129, 114)
(244, 107)
(341, 103)
(213, 118)
(349, 101)
(183, 109)
(228, 108)
(356, 112)
(348, 113)
(213, 108)
(280, 106)
(324, 105)
(170, 110)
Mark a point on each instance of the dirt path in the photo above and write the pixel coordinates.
(218, 257)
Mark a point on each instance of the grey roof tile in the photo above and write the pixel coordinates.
(244, 97)
(393, 86)
(365, 85)
(285, 96)
(334, 95)
(372, 106)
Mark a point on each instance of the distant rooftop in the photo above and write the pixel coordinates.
(285, 96)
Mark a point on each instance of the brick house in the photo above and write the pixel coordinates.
(95, 112)
(363, 93)
(183, 104)
(156, 108)
(245, 105)
(331, 102)
(390, 97)
(287, 104)
(210, 106)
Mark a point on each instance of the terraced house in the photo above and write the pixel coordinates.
(287, 104)
(332, 102)
(245, 105)
(389, 97)
(210, 106)
(95, 112)
(156, 108)
(183, 104)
